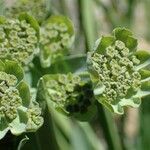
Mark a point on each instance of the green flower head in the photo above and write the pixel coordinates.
(18, 38)
(119, 72)
(57, 36)
(37, 8)
(69, 94)
(16, 107)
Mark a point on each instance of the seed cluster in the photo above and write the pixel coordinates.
(35, 120)
(116, 71)
(9, 96)
(36, 8)
(70, 94)
(17, 40)
(55, 38)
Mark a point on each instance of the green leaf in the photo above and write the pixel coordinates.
(23, 117)
(17, 127)
(103, 43)
(31, 21)
(146, 86)
(118, 106)
(125, 36)
(103, 101)
(144, 57)
(12, 67)
(24, 93)
(3, 127)
(131, 43)
(144, 73)
(122, 33)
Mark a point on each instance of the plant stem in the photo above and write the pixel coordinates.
(110, 130)
(130, 11)
(87, 22)
(143, 143)
(108, 14)
(47, 131)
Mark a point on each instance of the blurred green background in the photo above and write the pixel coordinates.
(91, 19)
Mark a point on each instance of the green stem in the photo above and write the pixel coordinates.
(83, 74)
(74, 56)
(87, 22)
(46, 133)
(143, 65)
(22, 142)
(147, 15)
(130, 12)
(63, 7)
(109, 127)
(108, 14)
(145, 80)
(143, 143)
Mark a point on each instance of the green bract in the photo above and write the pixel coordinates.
(18, 38)
(57, 36)
(37, 8)
(118, 71)
(17, 112)
(69, 94)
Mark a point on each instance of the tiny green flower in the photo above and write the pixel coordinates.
(57, 36)
(35, 120)
(118, 81)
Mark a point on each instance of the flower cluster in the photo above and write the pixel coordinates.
(116, 71)
(16, 108)
(69, 94)
(18, 40)
(113, 68)
(57, 36)
(34, 114)
(36, 8)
